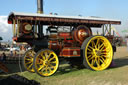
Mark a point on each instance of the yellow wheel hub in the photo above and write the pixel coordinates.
(98, 53)
(46, 62)
(28, 60)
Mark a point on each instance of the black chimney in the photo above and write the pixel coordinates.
(40, 6)
(40, 11)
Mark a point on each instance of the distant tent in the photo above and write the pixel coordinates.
(124, 31)
(1, 38)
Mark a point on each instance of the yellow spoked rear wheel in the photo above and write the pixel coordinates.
(28, 60)
(46, 62)
(97, 52)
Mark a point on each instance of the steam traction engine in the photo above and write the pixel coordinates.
(54, 37)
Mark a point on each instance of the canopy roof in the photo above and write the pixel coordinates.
(44, 19)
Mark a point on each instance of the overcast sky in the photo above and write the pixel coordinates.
(112, 9)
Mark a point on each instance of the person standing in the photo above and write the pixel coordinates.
(4, 57)
(11, 51)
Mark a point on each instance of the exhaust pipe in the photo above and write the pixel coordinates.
(40, 11)
(40, 6)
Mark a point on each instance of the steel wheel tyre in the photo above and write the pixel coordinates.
(28, 60)
(46, 62)
(97, 53)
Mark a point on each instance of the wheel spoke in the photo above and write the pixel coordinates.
(97, 63)
(46, 54)
(104, 53)
(91, 47)
(93, 62)
(106, 48)
(46, 69)
(106, 56)
(49, 56)
(93, 44)
(97, 43)
(41, 68)
(98, 60)
(30, 66)
(51, 59)
(53, 62)
(41, 60)
(91, 58)
(29, 56)
(33, 54)
(28, 59)
(28, 62)
(50, 65)
(90, 53)
(49, 69)
(102, 61)
(101, 45)
(43, 56)
(102, 58)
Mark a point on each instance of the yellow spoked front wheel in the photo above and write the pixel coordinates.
(97, 53)
(46, 62)
(28, 60)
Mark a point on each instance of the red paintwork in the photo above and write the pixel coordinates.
(70, 52)
(54, 45)
(14, 38)
(64, 34)
(68, 40)
(66, 44)
(9, 22)
(81, 33)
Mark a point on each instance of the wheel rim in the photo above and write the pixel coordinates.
(28, 60)
(46, 63)
(98, 53)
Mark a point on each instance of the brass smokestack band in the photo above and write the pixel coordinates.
(40, 6)
(40, 12)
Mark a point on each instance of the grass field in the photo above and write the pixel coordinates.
(72, 76)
